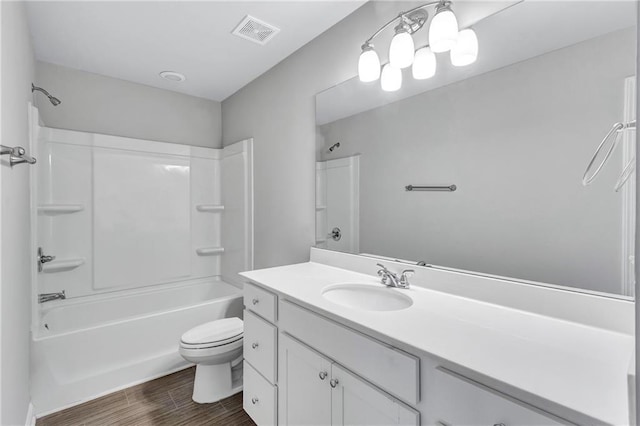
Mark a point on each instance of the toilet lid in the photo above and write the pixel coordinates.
(214, 331)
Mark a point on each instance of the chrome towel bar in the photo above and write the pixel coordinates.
(448, 188)
(17, 155)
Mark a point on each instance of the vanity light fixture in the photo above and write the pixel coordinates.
(401, 48)
(443, 32)
(368, 64)
(465, 51)
(391, 79)
(424, 64)
(444, 36)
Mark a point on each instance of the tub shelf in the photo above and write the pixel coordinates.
(209, 251)
(56, 209)
(62, 265)
(209, 208)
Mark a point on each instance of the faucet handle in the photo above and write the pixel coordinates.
(404, 277)
(383, 273)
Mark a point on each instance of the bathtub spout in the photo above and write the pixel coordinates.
(47, 297)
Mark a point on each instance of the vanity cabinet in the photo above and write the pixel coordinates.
(302, 368)
(317, 391)
(461, 401)
(304, 377)
(260, 343)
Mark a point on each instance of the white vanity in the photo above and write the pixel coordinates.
(463, 350)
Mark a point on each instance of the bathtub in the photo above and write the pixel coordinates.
(85, 349)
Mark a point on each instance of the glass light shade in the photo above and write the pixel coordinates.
(424, 64)
(465, 51)
(401, 50)
(391, 79)
(443, 32)
(369, 66)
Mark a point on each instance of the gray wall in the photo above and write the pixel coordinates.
(99, 104)
(515, 141)
(278, 111)
(15, 266)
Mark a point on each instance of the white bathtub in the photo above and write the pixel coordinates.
(88, 349)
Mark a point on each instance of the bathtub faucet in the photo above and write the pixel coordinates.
(48, 297)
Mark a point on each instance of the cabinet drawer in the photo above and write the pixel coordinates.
(260, 301)
(392, 370)
(461, 401)
(260, 345)
(259, 397)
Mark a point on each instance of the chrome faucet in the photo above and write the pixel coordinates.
(48, 297)
(392, 280)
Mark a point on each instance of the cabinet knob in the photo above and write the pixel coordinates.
(322, 375)
(255, 346)
(333, 382)
(254, 400)
(255, 301)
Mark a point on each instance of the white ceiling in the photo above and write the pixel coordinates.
(135, 41)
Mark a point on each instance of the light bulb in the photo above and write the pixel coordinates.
(368, 64)
(391, 79)
(401, 49)
(424, 64)
(443, 32)
(465, 51)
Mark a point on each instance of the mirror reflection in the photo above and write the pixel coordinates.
(480, 167)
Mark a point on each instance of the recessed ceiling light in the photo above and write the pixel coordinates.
(173, 76)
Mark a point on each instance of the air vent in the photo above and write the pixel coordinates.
(255, 30)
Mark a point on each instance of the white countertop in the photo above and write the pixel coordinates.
(577, 367)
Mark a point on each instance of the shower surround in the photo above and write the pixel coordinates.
(147, 239)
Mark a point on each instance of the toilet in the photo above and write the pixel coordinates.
(216, 349)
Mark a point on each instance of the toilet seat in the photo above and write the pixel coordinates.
(228, 342)
(214, 334)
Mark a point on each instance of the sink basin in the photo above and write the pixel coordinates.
(367, 297)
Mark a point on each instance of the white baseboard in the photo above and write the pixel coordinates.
(31, 416)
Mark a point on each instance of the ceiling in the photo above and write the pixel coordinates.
(135, 41)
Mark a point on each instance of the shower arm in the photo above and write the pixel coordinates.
(55, 101)
(40, 89)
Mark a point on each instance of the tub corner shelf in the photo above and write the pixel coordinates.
(56, 209)
(62, 265)
(209, 208)
(209, 251)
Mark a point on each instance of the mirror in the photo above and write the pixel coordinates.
(514, 132)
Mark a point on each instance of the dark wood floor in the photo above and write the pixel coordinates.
(164, 401)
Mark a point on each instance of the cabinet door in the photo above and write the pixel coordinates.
(356, 402)
(303, 381)
(460, 401)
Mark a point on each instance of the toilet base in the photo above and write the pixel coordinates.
(215, 382)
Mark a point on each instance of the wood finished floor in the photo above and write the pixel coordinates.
(164, 401)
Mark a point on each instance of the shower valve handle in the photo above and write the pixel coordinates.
(43, 258)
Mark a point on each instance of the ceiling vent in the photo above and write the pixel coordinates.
(255, 30)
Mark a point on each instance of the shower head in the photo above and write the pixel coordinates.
(334, 146)
(54, 101)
